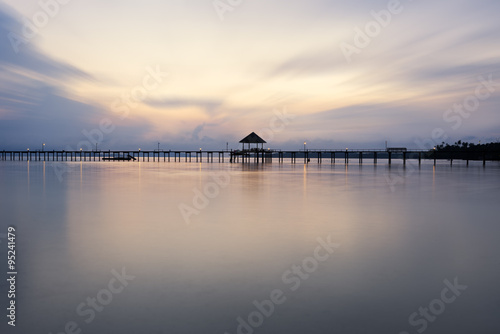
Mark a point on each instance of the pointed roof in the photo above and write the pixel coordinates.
(252, 138)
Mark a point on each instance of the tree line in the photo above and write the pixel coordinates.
(466, 150)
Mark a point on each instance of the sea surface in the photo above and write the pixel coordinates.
(154, 247)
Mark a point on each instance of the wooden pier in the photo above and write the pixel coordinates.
(248, 156)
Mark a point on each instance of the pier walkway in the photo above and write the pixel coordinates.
(253, 155)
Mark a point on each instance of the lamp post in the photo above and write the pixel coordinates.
(43, 147)
(305, 146)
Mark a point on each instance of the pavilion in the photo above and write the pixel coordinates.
(252, 138)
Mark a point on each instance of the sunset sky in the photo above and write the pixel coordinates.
(193, 73)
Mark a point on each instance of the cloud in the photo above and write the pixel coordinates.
(208, 105)
(196, 132)
(28, 57)
(35, 105)
(310, 63)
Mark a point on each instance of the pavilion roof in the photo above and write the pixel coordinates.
(252, 138)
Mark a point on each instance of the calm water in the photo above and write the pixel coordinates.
(201, 242)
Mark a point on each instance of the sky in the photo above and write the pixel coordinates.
(192, 74)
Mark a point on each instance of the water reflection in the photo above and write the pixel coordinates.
(397, 245)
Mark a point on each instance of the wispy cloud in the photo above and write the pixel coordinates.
(36, 104)
(208, 105)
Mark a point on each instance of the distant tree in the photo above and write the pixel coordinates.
(464, 150)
